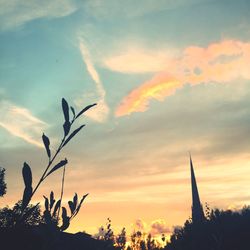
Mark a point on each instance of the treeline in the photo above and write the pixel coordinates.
(221, 230)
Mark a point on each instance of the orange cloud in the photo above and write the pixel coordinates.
(219, 62)
(138, 99)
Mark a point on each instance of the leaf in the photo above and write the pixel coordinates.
(27, 175)
(85, 109)
(52, 200)
(65, 219)
(26, 197)
(66, 127)
(65, 108)
(46, 203)
(65, 224)
(80, 204)
(64, 212)
(57, 166)
(73, 111)
(58, 204)
(72, 207)
(46, 143)
(27, 178)
(75, 200)
(73, 134)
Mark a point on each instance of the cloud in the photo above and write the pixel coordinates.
(159, 227)
(101, 111)
(137, 60)
(129, 9)
(156, 227)
(220, 62)
(140, 225)
(138, 99)
(20, 122)
(14, 13)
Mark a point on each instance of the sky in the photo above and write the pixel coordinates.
(170, 77)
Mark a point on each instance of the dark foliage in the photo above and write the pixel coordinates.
(222, 230)
(9, 217)
(3, 185)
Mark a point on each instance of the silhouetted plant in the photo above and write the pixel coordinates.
(207, 211)
(136, 239)
(106, 234)
(143, 241)
(121, 239)
(68, 135)
(3, 185)
(50, 212)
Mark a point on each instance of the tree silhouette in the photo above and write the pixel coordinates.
(3, 185)
(222, 230)
(9, 216)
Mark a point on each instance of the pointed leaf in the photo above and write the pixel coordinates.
(57, 166)
(75, 200)
(52, 200)
(73, 111)
(58, 204)
(64, 212)
(66, 127)
(46, 203)
(80, 204)
(65, 108)
(65, 224)
(73, 134)
(72, 207)
(46, 143)
(85, 109)
(65, 219)
(26, 197)
(27, 175)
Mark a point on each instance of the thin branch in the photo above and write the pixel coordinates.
(62, 189)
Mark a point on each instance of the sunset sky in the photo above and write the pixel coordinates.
(169, 77)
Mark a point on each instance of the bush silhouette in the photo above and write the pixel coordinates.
(9, 216)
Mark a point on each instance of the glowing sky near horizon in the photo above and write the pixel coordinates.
(169, 77)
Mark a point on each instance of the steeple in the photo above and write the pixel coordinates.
(197, 210)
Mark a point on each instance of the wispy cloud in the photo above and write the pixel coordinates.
(220, 62)
(130, 9)
(138, 99)
(14, 13)
(137, 60)
(101, 111)
(20, 122)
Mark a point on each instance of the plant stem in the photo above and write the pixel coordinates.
(47, 168)
(62, 189)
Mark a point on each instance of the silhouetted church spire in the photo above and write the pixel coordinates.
(197, 210)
